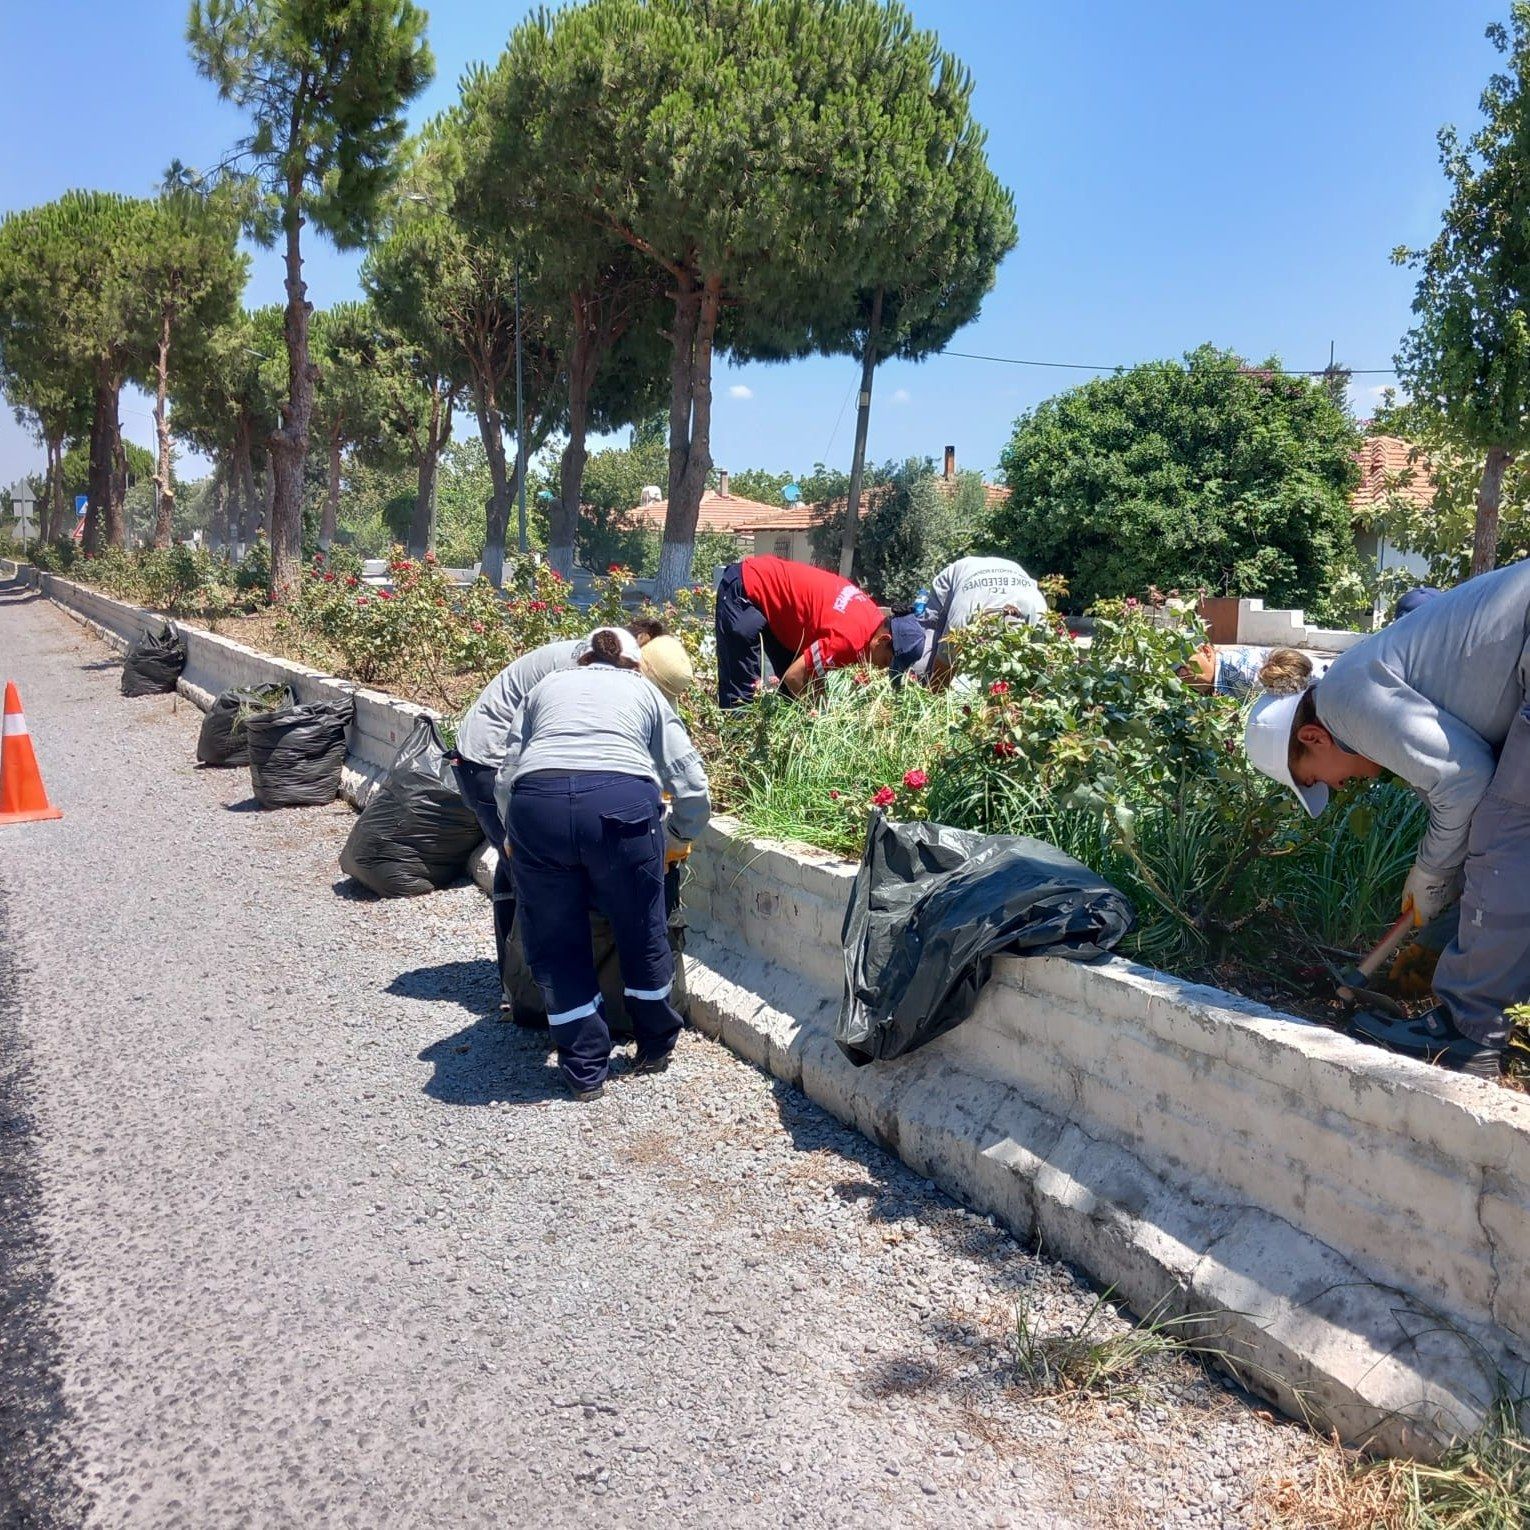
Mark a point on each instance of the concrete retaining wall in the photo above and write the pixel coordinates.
(1353, 1227)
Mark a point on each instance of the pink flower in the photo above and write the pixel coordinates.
(385, 594)
(916, 780)
(555, 576)
(361, 600)
(884, 796)
(430, 557)
(351, 581)
(1131, 603)
(833, 796)
(999, 688)
(1004, 749)
(477, 626)
(536, 605)
(329, 579)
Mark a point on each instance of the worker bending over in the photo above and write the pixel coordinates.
(579, 791)
(484, 734)
(810, 621)
(963, 591)
(1441, 698)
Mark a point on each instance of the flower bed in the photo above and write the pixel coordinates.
(1102, 750)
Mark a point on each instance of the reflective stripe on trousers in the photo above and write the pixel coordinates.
(583, 840)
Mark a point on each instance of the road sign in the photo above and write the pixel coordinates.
(80, 502)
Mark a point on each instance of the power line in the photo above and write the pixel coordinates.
(1081, 366)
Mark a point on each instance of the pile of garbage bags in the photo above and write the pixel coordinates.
(930, 908)
(416, 833)
(296, 752)
(223, 740)
(154, 661)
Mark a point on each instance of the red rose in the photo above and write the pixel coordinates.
(430, 557)
(833, 796)
(361, 600)
(1004, 749)
(385, 594)
(999, 688)
(329, 579)
(477, 626)
(613, 568)
(536, 605)
(351, 581)
(555, 576)
(916, 780)
(884, 796)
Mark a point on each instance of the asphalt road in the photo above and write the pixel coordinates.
(293, 1231)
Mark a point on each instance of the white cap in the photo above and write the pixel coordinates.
(1267, 742)
(630, 647)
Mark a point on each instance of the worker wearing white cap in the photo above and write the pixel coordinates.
(485, 730)
(580, 792)
(1442, 700)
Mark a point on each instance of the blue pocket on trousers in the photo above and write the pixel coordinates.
(628, 823)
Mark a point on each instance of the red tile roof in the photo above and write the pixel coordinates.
(719, 512)
(1389, 464)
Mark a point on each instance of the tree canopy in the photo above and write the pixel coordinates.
(1192, 474)
(1468, 355)
(324, 84)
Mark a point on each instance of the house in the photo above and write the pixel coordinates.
(1388, 465)
(721, 511)
(790, 534)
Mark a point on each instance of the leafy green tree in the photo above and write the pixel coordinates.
(351, 353)
(932, 240)
(1201, 473)
(1468, 353)
(768, 120)
(439, 274)
(916, 527)
(227, 400)
(1443, 528)
(195, 275)
(325, 84)
(77, 271)
(49, 394)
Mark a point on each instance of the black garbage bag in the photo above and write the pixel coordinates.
(931, 906)
(296, 753)
(154, 662)
(530, 1009)
(222, 740)
(416, 833)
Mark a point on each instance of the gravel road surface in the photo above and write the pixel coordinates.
(293, 1231)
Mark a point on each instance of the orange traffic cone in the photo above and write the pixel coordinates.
(22, 796)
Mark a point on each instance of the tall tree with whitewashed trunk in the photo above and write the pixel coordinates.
(442, 274)
(1468, 353)
(195, 276)
(40, 376)
(325, 84)
(612, 298)
(740, 146)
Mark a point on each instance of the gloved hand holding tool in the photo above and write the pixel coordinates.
(1428, 893)
(1355, 981)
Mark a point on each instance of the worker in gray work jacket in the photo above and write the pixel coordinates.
(1441, 698)
(580, 791)
(965, 590)
(484, 733)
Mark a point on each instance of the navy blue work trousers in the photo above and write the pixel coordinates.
(476, 783)
(740, 627)
(583, 840)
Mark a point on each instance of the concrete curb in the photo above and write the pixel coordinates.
(1350, 1229)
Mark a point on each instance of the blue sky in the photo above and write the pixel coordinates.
(1184, 171)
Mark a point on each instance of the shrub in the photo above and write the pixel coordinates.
(1196, 474)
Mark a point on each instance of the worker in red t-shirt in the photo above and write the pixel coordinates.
(810, 621)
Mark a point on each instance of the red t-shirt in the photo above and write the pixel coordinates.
(812, 611)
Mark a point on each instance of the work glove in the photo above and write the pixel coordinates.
(1428, 892)
(675, 851)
